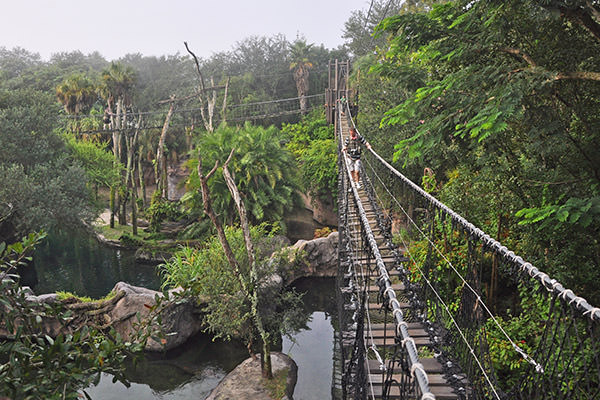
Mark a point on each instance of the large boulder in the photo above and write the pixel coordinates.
(319, 259)
(245, 381)
(180, 319)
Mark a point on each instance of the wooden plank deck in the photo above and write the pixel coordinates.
(379, 333)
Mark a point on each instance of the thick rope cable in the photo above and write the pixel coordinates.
(582, 305)
(478, 299)
(411, 351)
(447, 309)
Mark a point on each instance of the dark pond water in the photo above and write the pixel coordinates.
(76, 262)
(79, 264)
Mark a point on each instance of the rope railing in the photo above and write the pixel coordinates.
(401, 328)
(556, 355)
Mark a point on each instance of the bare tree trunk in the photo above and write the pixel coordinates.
(161, 157)
(121, 196)
(224, 107)
(301, 77)
(112, 207)
(131, 154)
(208, 210)
(211, 99)
(266, 353)
(140, 170)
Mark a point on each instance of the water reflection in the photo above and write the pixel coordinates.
(189, 372)
(312, 349)
(76, 262)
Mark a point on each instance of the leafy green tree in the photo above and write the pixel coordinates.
(262, 167)
(96, 160)
(509, 91)
(312, 143)
(41, 183)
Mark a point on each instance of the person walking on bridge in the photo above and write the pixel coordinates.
(352, 147)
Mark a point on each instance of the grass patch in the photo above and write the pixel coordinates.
(85, 299)
(277, 386)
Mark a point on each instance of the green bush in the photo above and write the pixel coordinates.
(161, 210)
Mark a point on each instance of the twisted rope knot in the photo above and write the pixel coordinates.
(593, 312)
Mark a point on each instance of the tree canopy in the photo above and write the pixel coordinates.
(500, 98)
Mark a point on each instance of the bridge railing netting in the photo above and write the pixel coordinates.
(361, 264)
(512, 330)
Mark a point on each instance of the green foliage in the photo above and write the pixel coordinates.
(312, 143)
(41, 182)
(34, 365)
(499, 99)
(160, 210)
(97, 161)
(583, 212)
(206, 274)
(262, 168)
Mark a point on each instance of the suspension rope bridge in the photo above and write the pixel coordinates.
(262, 110)
(415, 309)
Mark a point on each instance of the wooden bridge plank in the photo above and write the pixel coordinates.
(434, 379)
(396, 287)
(430, 365)
(440, 392)
(380, 341)
(391, 332)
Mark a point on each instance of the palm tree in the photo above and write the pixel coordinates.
(262, 168)
(300, 53)
(117, 85)
(77, 94)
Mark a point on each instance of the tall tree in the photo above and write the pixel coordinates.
(117, 86)
(508, 99)
(301, 64)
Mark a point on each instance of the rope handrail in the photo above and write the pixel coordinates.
(552, 285)
(186, 110)
(401, 326)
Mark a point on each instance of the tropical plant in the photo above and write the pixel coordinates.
(262, 167)
(77, 93)
(301, 64)
(206, 275)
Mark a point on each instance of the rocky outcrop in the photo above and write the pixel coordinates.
(181, 319)
(245, 381)
(319, 258)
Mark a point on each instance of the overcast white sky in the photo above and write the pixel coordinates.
(159, 27)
